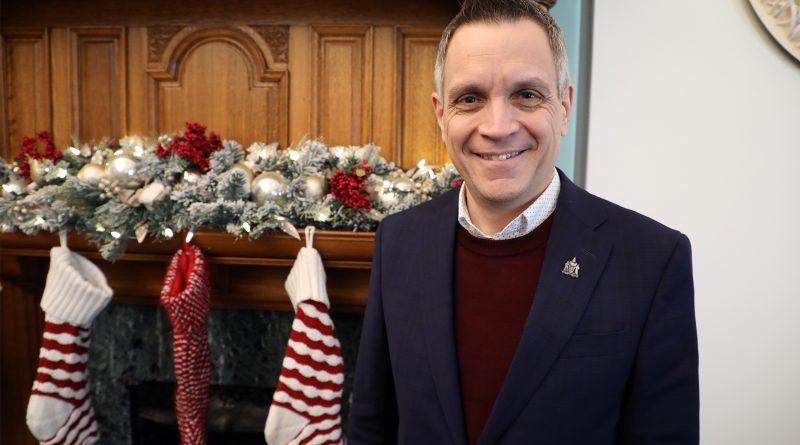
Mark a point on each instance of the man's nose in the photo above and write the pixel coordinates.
(498, 120)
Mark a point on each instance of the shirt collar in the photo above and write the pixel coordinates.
(524, 223)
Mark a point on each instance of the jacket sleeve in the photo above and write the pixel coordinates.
(661, 403)
(373, 413)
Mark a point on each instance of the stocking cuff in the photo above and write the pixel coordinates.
(76, 290)
(306, 280)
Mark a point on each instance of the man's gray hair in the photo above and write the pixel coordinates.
(497, 11)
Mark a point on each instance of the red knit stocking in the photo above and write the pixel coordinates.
(185, 297)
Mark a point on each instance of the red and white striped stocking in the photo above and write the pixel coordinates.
(185, 297)
(60, 408)
(307, 402)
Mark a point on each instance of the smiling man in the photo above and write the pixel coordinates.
(519, 308)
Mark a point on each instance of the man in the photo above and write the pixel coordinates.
(520, 309)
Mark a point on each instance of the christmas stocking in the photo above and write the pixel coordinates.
(305, 407)
(185, 297)
(60, 409)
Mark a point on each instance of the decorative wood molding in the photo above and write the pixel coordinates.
(342, 84)
(419, 136)
(97, 83)
(24, 86)
(277, 37)
(247, 274)
(157, 39)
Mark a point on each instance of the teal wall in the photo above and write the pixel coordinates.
(574, 18)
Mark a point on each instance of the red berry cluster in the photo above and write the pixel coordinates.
(193, 146)
(29, 152)
(349, 188)
(456, 183)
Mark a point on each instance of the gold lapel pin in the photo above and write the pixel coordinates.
(571, 268)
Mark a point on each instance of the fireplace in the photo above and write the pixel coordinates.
(236, 414)
(132, 376)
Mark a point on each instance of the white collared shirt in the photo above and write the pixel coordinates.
(524, 223)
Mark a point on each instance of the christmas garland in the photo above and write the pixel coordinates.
(139, 188)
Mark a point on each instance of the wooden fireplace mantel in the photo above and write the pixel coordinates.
(245, 274)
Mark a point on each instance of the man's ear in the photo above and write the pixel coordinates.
(566, 102)
(438, 111)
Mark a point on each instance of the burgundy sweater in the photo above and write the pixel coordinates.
(495, 282)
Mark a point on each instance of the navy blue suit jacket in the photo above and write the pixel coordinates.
(609, 357)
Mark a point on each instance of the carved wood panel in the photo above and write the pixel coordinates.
(342, 84)
(25, 88)
(419, 136)
(226, 78)
(98, 85)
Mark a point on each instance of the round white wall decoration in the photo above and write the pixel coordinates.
(782, 20)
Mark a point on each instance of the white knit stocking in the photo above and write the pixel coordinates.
(60, 409)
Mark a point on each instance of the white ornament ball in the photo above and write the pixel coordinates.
(122, 166)
(404, 185)
(91, 173)
(269, 186)
(315, 187)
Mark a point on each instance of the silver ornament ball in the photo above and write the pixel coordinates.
(269, 186)
(315, 187)
(91, 173)
(121, 166)
(191, 175)
(244, 168)
(404, 185)
(13, 188)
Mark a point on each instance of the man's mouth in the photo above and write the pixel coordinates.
(501, 157)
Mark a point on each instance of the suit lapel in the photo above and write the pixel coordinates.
(436, 276)
(558, 305)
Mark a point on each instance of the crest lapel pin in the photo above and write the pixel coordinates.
(571, 268)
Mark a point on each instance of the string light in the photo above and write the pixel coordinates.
(246, 227)
(116, 235)
(168, 233)
(189, 236)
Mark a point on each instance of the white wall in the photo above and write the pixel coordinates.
(695, 121)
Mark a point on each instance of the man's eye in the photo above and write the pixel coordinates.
(528, 95)
(468, 100)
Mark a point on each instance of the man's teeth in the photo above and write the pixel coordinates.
(502, 157)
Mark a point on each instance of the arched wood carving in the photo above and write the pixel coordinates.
(228, 78)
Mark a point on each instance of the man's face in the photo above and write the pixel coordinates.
(501, 116)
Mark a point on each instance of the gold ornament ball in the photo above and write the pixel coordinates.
(121, 166)
(91, 173)
(191, 175)
(404, 185)
(315, 187)
(269, 186)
